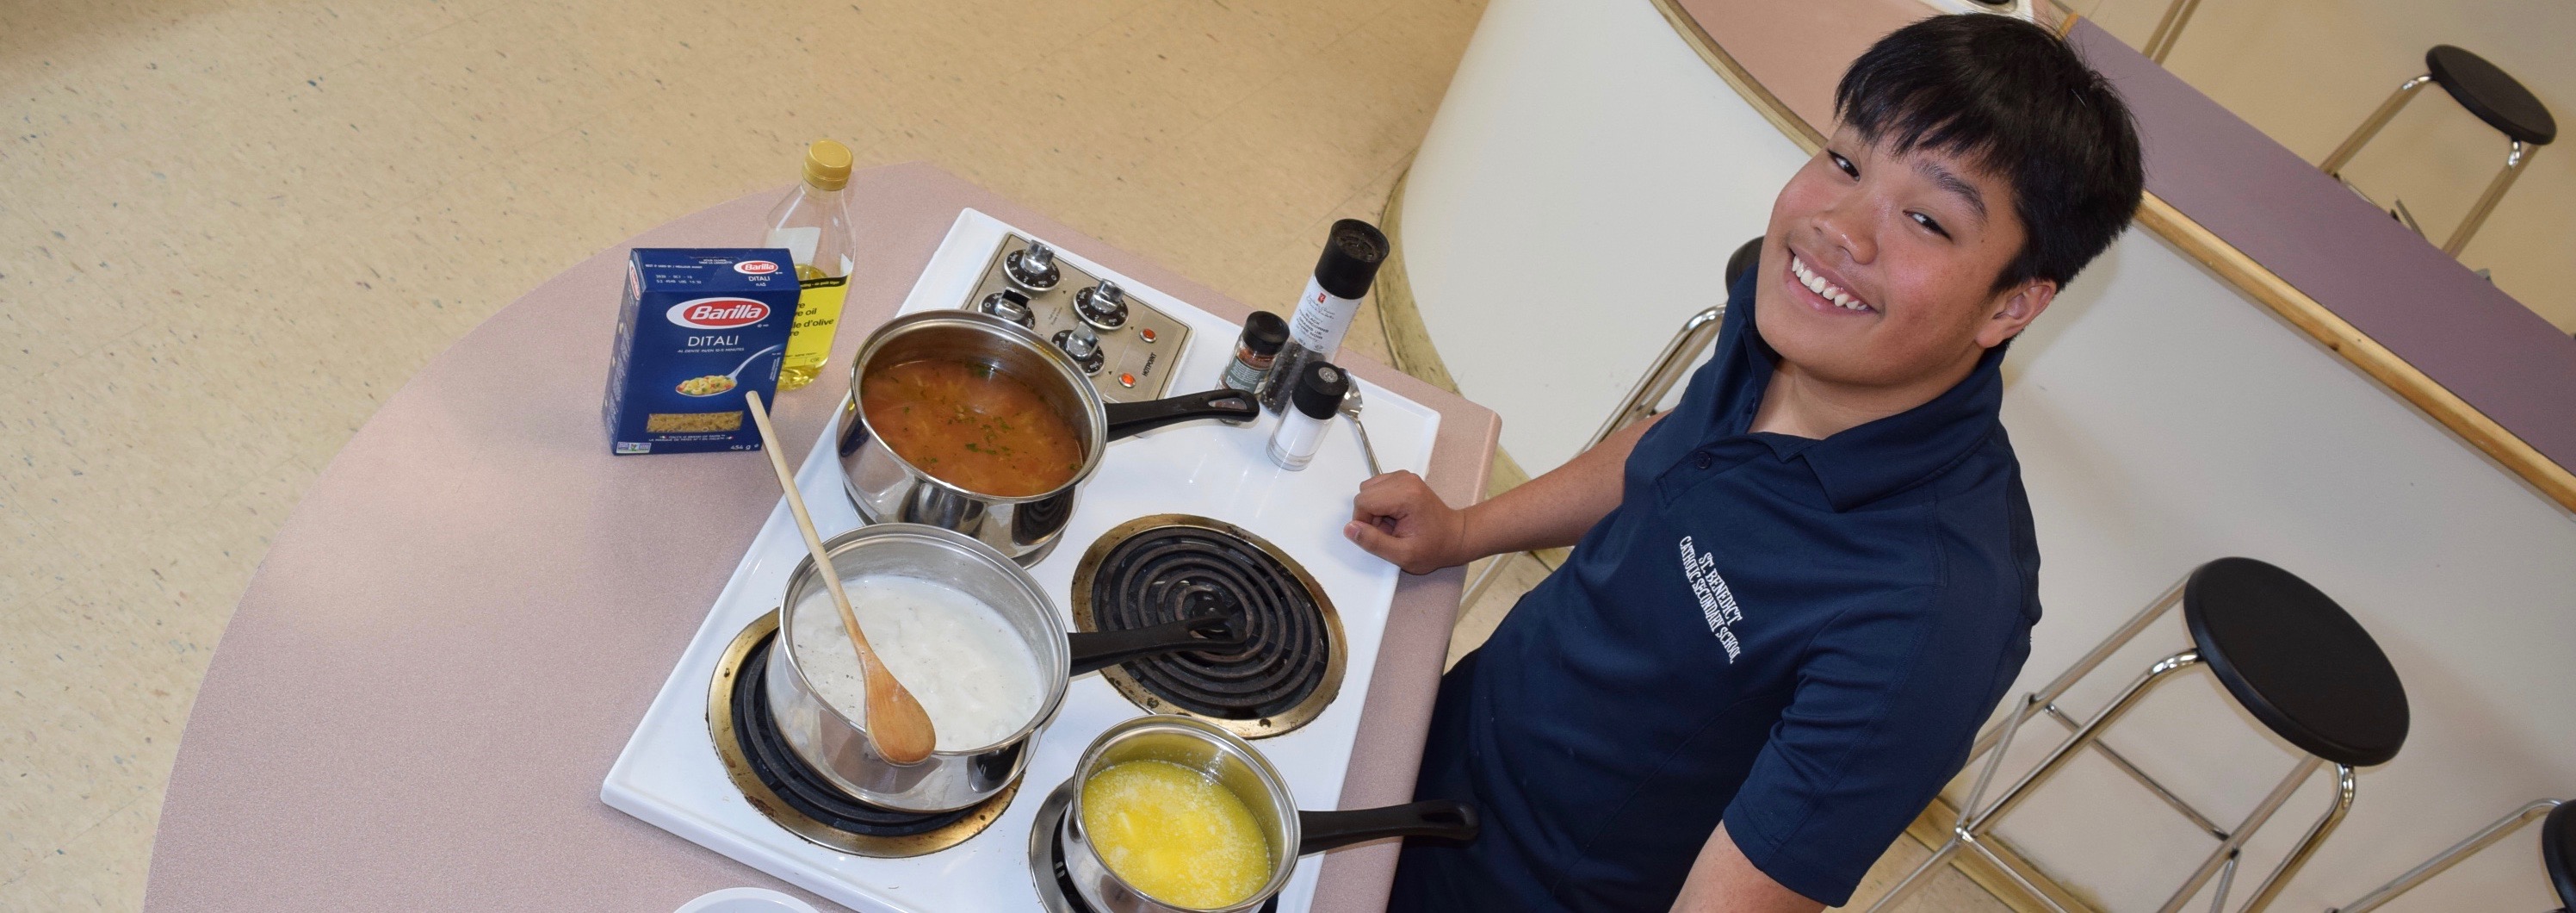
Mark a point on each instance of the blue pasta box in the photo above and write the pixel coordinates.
(698, 327)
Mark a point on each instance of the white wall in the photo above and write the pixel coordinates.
(1586, 164)
(1558, 225)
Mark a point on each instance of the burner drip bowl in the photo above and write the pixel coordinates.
(1163, 569)
(790, 792)
(797, 783)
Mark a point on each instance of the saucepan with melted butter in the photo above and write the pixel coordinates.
(1172, 813)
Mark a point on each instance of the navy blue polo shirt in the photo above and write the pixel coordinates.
(1796, 637)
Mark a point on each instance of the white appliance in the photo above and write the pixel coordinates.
(670, 773)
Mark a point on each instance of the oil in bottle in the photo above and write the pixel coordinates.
(813, 224)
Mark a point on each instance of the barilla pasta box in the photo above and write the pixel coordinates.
(698, 327)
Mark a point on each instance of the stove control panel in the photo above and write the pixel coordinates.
(1128, 347)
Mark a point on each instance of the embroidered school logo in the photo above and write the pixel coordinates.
(1716, 602)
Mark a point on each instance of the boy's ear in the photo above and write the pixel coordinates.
(2014, 309)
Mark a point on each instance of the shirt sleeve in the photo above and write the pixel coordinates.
(1888, 698)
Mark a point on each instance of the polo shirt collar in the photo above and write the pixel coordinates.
(1880, 458)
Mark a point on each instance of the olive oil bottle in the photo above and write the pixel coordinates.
(813, 224)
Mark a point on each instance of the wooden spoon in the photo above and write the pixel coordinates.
(897, 722)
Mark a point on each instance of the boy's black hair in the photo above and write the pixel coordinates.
(2012, 98)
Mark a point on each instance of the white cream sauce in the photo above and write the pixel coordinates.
(972, 674)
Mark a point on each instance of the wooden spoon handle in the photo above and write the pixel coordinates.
(805, 526)
(896, 721)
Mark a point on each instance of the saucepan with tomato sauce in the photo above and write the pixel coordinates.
(971, 423)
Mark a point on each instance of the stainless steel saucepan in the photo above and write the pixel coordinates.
(887, 488)
(1235, 765)
(836, 743)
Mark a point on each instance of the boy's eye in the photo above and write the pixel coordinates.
(1929, 222)
(1843, 163)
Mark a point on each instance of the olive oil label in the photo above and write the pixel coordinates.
(809, 339)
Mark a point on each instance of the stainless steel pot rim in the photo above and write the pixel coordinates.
(1055, 681)
(1073, 377)
(1283, 859)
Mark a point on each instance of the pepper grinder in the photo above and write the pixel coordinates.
(1352, 254)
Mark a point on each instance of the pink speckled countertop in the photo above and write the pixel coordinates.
(459, 627)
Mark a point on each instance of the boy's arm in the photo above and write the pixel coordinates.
(1723, 881)
(1397, 517)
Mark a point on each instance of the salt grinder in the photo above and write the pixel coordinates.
(1311, 404)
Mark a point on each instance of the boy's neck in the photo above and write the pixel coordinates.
(1799, 404)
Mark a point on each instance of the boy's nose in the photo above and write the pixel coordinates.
(1841, 227)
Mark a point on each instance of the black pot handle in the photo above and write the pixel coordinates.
(1096, 650)
(1135, 418)
(1447, 819)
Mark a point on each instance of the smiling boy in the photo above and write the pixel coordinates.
(1794, 597)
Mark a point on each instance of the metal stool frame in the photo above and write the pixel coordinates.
(2517, 156)
(2160, 43)
(1975, 824)
(2502, 828)
(1667, 369)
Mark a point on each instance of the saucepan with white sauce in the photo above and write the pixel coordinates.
(969, 633)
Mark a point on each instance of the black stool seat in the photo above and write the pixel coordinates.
(2494, 97)
(2558, 851)
(2297, 661)
(1745, 257)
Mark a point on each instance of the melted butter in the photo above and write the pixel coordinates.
(1174, 834)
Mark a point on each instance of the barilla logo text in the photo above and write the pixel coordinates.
(755, 267)
(718, 313)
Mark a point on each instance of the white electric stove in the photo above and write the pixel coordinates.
(674, 774)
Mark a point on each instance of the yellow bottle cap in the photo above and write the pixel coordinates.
(827, 165)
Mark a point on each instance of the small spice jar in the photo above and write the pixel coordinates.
(1263, 334)
(1311, 403)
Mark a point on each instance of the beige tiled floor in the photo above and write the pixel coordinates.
(229, 228)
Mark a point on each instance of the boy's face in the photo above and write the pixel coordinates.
(1907, 248)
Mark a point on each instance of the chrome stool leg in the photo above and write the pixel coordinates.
(2234, 843)
(2160, 43)
(2315, 837)
(2502, 828)
(2370, 127)
(2514, 160)
(1975, 823)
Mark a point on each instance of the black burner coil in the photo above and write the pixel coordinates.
(796, 782)
(1169, 573)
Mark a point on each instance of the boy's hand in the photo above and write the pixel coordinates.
(1397, 517)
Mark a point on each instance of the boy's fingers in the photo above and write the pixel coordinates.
(1368, 537)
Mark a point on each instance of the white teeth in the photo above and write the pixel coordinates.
(1823, 289)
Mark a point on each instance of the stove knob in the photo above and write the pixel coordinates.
(1033, 267)
(1103, 305)
(1011, 306)
(1083, 346)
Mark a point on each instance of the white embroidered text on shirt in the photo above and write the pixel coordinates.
(1716, 602)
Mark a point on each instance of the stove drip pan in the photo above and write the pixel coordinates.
(1046, 858)
(796, 797)
(1167, 567)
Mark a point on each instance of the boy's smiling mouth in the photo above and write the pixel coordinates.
(1826, 294)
